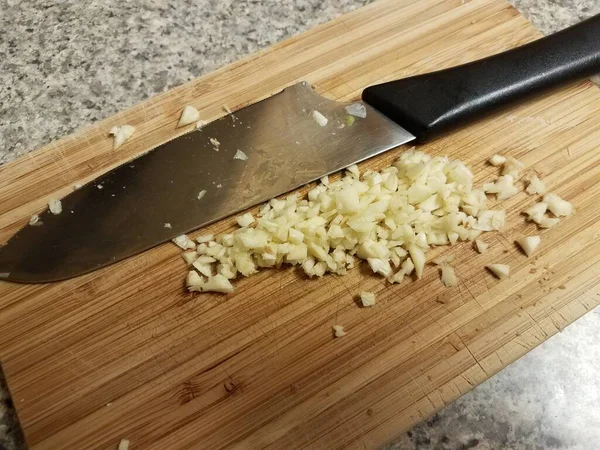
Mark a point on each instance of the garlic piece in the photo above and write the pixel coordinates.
(557, 205)
(481, 246)
(201, 194)
(246, 220)
(240, 155)
(339, 331)
(499, 270)
(367, 298)
(448, 276)
(184, 242)
(35, 221)
(549, 222)
(55, 206)
(536, 212)
(444, 260)
(417, 255)
(189, 115)
(405, 269)
(497, 160)
(503, 187)
(121, 134)
(512, 167)
(194, 281)
(529, 244)
(217, 283)
(536, 186)
(124, 444)
(353, 169)
(189, 257)
(357, 110)
(490, 220)
(319, 118)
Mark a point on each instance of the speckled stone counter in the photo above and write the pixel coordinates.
(66, 64)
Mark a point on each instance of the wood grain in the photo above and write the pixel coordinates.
(125, 352)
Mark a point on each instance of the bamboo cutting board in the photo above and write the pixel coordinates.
(126, 352)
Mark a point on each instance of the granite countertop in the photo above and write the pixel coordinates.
(62, 68)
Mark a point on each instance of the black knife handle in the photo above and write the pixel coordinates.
(427, 105)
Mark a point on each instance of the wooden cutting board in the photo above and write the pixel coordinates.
(126, 352)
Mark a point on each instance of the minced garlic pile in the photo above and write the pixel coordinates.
(389, 218)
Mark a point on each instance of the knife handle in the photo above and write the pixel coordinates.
(427, 105)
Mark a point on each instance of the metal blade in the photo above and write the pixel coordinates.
(124, 212)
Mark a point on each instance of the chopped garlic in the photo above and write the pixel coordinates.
(227, 270)
(217, 283)
(444, 260)
(194, 281)
(406, 268)
(121, 134)
(319, 118)
(189, 115)
(184, 242)
(490, 220)
(240, 155)
(536, 212)
(246, 220)
(201, 194)
(205, 238)
(417, 255)
(215, 143)
(557, 205)
(549, 222)
(124, 444)
(503, 187)
(389, 218)
(481, 246)
(529, 244)
(497, 160)
(77, 186)
(357, 110)
(200, 124)
(500, 270)
(367, 298)
(339, 331)
(536, 186)
(189, 257)
(448, 276)
(55, 206)
(35, 221)
(353, 169)
(325, 180)
(380, 266)
(204, 269)
(168, 225)
(512, 167)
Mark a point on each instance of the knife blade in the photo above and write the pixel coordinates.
(124, 212)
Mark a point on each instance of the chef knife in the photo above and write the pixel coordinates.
(155, 197)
